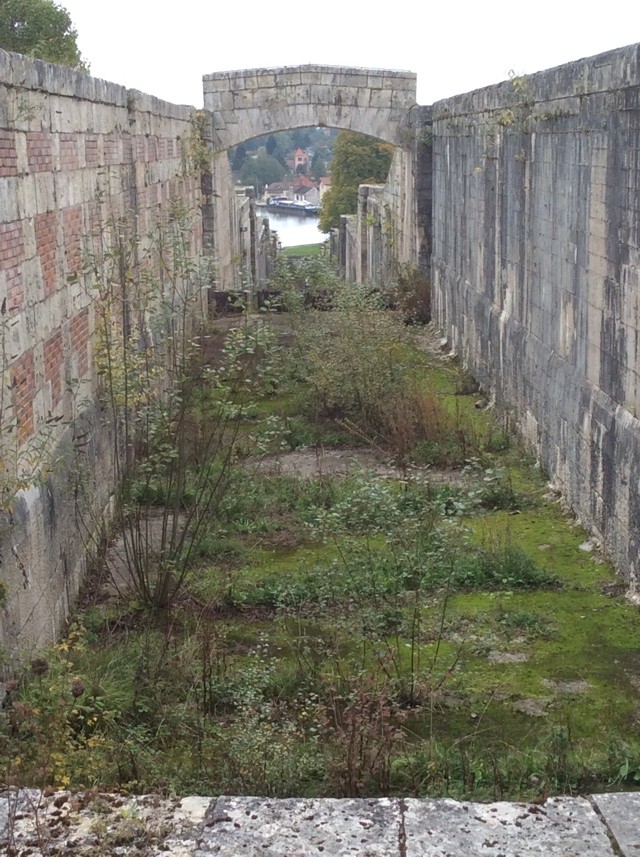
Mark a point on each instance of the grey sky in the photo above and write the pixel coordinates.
(164, 47)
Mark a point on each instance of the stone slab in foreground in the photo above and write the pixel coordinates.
(561, 827)
(91, 824)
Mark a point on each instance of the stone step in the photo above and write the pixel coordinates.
(92, 823)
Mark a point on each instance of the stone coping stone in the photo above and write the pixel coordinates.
(621, 814)
(303, 827)
(93, 824)
(561, 827)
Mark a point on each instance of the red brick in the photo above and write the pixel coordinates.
(140, 144)
(91, 150)
(111, 149)
(80, 339)
(45, 228)
(152, 149)
(72, 226)
(8, 154)
(54, 366)
(11, 259)
(39, 151)
(69, 152)
(23, 383)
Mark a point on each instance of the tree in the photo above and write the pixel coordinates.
(272, 145)
(357, 160)
(238, 158)
(261, 171)
(318, 166)
(300, 138)
(41, 29)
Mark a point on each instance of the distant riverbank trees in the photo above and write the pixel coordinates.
(261, 171)
(271, 157)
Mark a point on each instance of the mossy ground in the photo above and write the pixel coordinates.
(331, 641)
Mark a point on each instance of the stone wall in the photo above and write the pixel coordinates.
(229, 212)
(84, 164)
(394, 220)
(536, 267)
(349, 248)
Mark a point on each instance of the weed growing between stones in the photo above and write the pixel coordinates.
(388, 630)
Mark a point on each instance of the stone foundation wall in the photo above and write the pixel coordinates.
(536, 271)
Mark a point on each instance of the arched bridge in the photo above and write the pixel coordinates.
(249, 103)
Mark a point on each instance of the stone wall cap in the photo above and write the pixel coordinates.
(332, 69)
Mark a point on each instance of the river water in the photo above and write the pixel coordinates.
(292, 229)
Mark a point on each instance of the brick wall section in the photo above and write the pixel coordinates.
(46, 248)
(39, 151)
(91, 151)
(77, 156)
(80, 339)
(11, 258)
(73, 238)
(69, 156)
(140, 149)
(53, 354)
(8, 154)
(112, 149)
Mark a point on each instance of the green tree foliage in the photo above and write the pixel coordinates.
(357, 160)
(261, 171)
(238, 158)
(272, 145)
(318, 166)
(281, 144)
(41, 29)
(301, 138)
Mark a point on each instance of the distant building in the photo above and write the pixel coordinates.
(299, 162)
(277, 189)
(303, 193)
(324, 185)
(300, 188)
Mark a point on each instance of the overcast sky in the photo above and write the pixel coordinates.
(164, 48)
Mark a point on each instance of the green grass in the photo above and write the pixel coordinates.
(304, 250)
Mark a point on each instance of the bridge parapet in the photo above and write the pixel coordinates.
(248, 103)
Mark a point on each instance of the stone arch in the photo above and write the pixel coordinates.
(253, 102)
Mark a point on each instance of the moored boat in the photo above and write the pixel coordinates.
(291, 206)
